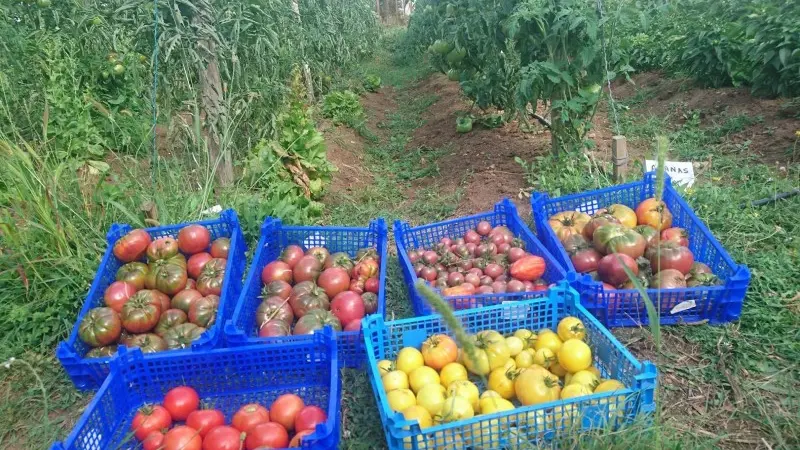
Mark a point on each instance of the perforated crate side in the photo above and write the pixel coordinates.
(225, 379)
(241, 329)
(504, 213)
(533, 424)
(716, 304)
(89, 373)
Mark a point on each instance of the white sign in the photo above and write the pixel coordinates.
(680, 172)
(683, 306)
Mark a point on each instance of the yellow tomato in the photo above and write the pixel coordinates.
(524, 359)
(401, 399)
(545, 330)
(510, 364)
(490, 353)
(595, 371)
(385, 366)
(452, 372)
(419, 414)
(409, 359)
(515, 345)
(502, 382)
(540, 369)
(465, 389)
(455, 408)
(624, 214)
(575, 355)
(609, 386)
(549, 340)
(486, 432)
(571, 328)
(527, 337)
(439, 350)
(575, 390)
(544, 357)
(584, 378)
(489, 394)
(534, 387)
(422, 376)
(558, 370)
(567, 379)
(395, 380)
(431, 397)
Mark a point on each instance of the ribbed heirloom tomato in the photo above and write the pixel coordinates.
(196, 262)
(220, 248)
(568, 223)
(117, 294)
(100, 327)
(654, 213)
(162, 248)
(439, 350)
(132, 246)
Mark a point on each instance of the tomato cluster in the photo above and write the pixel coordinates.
(617, 241)
(305, 290)
(165, 303)
(438, 383)
(485, 260)
(252, 427)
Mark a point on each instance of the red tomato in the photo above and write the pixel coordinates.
(514, 286)
(153, 441)
(267, 435)
(223, 438)
(372, 285)
(307, 269)
(118, 293)
(309, 417)
(334, 281)
(276, 270)
(297, 439)
(148, 419)
(193, 239)
(670, 255)
(248, 416)
(203, 420)
(678, 235)
(132, 246)
(196, 262)
(220, 248)
(347, 307)
(162, 248)
(528, 268)
(611, 268)
(181, 401)
(284, 410)
(353, 326)
(291, 254)
(183, 438)
(275, 327)
(183, 300)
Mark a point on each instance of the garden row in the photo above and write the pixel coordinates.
(264, 357)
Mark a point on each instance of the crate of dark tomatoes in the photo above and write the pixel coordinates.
(688, 275)
(166, 288)
(477, 260)
(303, 278)
(242, 398)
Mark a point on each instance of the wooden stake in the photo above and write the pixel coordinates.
(619, 154)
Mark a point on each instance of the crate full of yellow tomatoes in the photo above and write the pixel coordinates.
(524, 373)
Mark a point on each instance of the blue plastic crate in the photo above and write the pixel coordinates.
(523, 427)
(505, 213)
(241, 329)
(626, 307)
(89, 373)
(225, 379)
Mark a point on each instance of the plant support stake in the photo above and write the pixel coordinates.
(619, 154)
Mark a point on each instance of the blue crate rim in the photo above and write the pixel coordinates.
(65, 347)
(130, 355)
(401, 228)
(402, 428)
(375, 226)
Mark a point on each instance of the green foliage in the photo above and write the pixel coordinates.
(718, 43)
(372, 83)
(343, 107)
